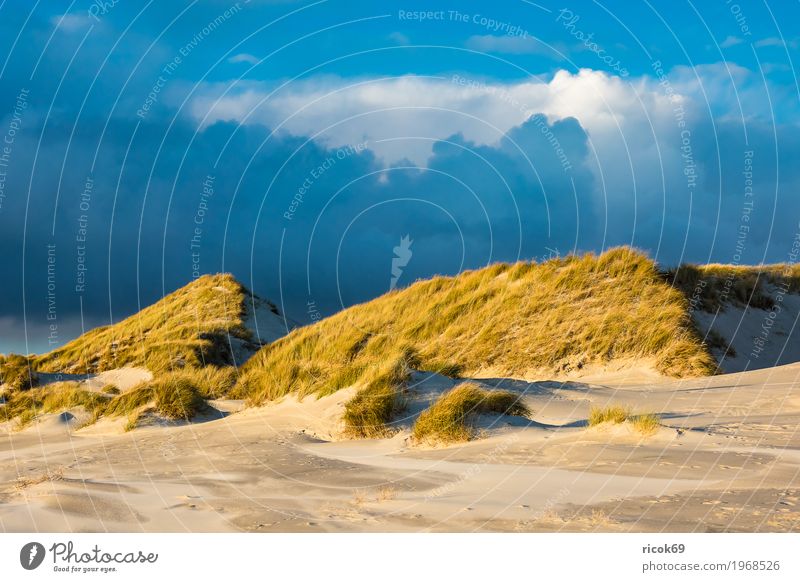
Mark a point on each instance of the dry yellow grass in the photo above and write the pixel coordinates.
(131, 401)
(188, 328)
(210, 381)
(25, 406)
(183, 339)
(515, 319)
(448, 419)
(176, 397)
(521, 319)
(386, 493)
(173, 395)
(645, 424)
(612, 414)
(369, 412)
(17, 372)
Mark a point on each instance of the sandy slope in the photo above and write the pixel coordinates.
(727, 459)
(266, 325)
(760, 338)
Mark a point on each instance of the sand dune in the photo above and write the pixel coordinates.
(760, 338)
(213, 448)
(727, 458)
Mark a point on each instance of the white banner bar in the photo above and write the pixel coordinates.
(400, 557)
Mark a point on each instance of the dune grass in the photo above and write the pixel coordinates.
(176, 397)
(184, 339)
(22, 406)
(612, 414)
(25, 406)
(445, 368)
(210, 381)
(515, 320)
(173, 396)
(66, 395)
(448, 419)
(17, 372)
(369, 412)
(710, 287)
(523, 319)
(645, 424)
(131, 401)
(188, 328)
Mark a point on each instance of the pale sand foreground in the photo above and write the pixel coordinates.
(728, 459)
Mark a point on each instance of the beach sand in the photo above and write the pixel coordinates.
(727, 458)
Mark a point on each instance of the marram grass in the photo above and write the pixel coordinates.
(449, 418)
(175, 396)
(17, 372)
(369, 413)
(189, 328)
(522, 319)
(610, 414)
(25, 406)
(644, 424)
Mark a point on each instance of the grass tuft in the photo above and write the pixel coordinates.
(211, 382)
(645, 424)
(447, 419)
(17, 372)
(66, 395)
(131, 401)
(369, 412)
(25, 406)
(612, 414)
(176, 397)
(444, 368)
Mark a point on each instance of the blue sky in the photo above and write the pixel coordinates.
(309, 138)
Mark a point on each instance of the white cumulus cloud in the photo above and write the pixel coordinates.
(244, 58)
(71, 22)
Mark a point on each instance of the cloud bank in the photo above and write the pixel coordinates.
(303, 188)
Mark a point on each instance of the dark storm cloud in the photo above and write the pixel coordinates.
(160, 206)
(298, 221)
(112, 196)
